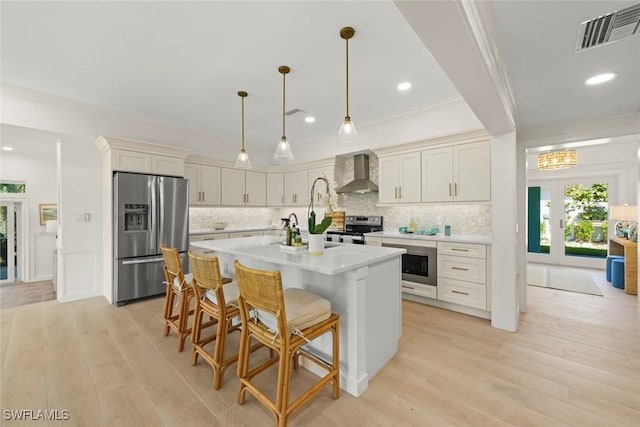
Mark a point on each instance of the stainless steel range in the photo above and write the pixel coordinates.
(354, 229)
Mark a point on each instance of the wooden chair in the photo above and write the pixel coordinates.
(219, 303)
(178, 285)
(283, 321)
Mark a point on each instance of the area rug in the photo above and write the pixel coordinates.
(565, 279)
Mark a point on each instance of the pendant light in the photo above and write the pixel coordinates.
(347, 132)
(283, 150)
(243, 162)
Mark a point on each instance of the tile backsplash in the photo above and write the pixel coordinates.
(467, 219)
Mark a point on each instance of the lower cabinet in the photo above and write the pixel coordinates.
(463, 293)
(462, 274)
(419, 289)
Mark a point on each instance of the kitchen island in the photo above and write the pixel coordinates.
(362, 283)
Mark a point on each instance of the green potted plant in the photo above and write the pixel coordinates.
(316, 230)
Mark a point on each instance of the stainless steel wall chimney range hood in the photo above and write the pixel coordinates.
(361, 182)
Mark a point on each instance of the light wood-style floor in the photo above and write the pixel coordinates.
(575, 361)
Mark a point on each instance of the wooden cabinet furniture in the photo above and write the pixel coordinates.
(462, 274)
(204, 184)
(458, 173)
(275, 189)
(628, 249)
(397, 178)
(243, 188)
(296, 188)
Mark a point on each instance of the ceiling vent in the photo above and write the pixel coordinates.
(608, 28)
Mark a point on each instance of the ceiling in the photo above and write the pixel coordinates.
(182, 63)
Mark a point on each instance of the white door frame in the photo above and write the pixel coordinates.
(22, 204)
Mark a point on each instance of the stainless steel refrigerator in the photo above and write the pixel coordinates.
(148, 210)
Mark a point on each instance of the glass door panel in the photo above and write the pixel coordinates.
(585, 216)
(8, 236)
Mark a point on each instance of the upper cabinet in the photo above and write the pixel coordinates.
(398, 182)
(458, 173)
(142, 157)
(296, 188)
(275, 189)
(243, 188)
(204, 184)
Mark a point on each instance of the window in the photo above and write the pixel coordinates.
(13, 187)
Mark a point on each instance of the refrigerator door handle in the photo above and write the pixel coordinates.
(142, 261)
(161, 201)
(153, 213)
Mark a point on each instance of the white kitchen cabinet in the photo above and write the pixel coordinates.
(134, 161)
(462, 274)
(458, 173)
(243, 188)
(275, 189)
(255, 188)
(296, 188)
(399, 178)
(204, 184)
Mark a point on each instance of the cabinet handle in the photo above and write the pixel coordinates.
(459, 268)
(399, 192)
(318, 196)
(460, 250)
(461, 293)
(209, 238)
(449, 189)
(203, 196)
(396, 192)
(408, 287)
(455, 189)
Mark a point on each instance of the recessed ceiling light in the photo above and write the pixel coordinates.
(600, 78)
(7, 148)
(404, 86)
(309, 119)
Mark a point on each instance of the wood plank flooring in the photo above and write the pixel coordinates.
(575, 361)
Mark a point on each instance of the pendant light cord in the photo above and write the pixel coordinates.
(283, 98)
(347, 82)
(242, 123)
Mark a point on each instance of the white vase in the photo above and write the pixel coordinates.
(316, 244)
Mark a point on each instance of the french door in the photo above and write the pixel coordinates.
(567, 221)
(8, 242)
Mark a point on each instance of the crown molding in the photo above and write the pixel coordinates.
(581, 130)
(104, 143)
(452, 139)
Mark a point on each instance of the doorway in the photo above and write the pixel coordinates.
(567, 221)
(11, 261)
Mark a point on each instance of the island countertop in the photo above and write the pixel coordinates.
(336, 259)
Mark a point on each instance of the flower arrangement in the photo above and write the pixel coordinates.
(329, 201)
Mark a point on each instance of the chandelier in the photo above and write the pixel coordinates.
(561, 159)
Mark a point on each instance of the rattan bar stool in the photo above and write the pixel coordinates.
(178, 285)
(216, 297)
(283, 321)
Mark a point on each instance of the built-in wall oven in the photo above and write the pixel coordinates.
(419, 263)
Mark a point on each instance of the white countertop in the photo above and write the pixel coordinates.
(230, 230)
(457, 238)
(335, 260)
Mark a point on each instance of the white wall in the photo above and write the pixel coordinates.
(80, 221)
(33, 161)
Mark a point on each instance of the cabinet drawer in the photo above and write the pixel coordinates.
(463, 293)
(459, 268)
(201, 237)
(462, 249)
(419, 289)
(245, 234)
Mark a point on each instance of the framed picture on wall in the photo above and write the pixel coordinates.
(48, 212)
